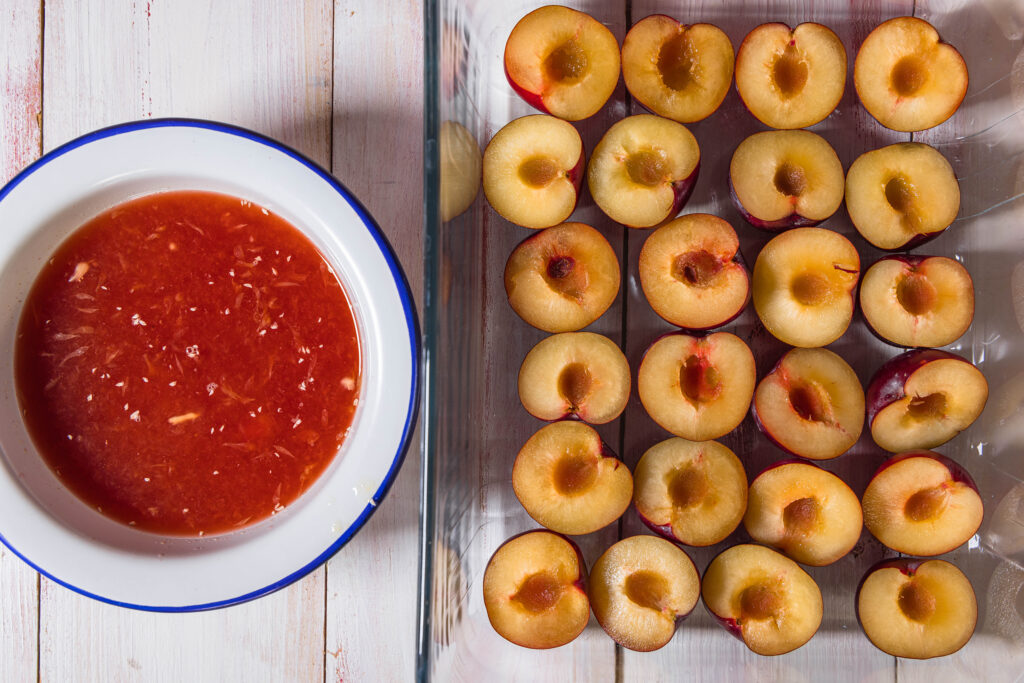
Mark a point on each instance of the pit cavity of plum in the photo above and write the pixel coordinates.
(538, 171)
(928, 407)
(790, 179)
(564, 277)
(574, 384)
(696, 268)
(909, 75)
(538, 593)
(759, 601)
(809, 403)
(676, 62)
(916, 601)
(647, 589)
(916, 294)
(902, 197)
(647, 167)
(900, 194)
(926, 504)
(789, 72)
(699, 380)
(560, 267)
(687, 487)
(801, 515)
(574, 474)
(566, 63)
(810, 289)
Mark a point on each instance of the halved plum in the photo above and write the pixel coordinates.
(643, 170)
(763, 598)
(677, 71)
(917, 609)
(569, 481)
(811, 404)
(533, 170)
(917, 300)
(535, 590)
(923, 398)
(791, 78)
(640, 589)
(691, 273)
(922, 503)
(782, 179)
(693, 492)
(563, 278)
(698, 388)
(803, 286)
(575, 373)
(902, 195)
(906, 77)
(806, 512)
(562, 61)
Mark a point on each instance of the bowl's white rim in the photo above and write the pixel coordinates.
(409, 311)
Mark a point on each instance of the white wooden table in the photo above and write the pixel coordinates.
(341, 80)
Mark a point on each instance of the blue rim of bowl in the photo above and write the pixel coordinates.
(408, 307)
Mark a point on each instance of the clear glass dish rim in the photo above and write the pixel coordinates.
(428, 403)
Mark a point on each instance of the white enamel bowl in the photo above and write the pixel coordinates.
(68, 541)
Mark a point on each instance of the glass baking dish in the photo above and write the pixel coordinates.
(474, 425)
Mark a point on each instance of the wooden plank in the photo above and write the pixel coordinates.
(255, 63)
(261, 64)
(19, 618)
(982, 141)
(20, 141)
(20, 86)
(276, 638)
(377, 153)
(700, 645)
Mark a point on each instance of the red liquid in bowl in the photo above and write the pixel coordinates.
(187, 363)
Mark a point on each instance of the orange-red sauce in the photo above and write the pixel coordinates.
(187, 363)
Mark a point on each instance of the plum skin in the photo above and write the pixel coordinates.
(957, 472)
(681, 192)
(887, 384)
(793, 220)
(533, 99)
